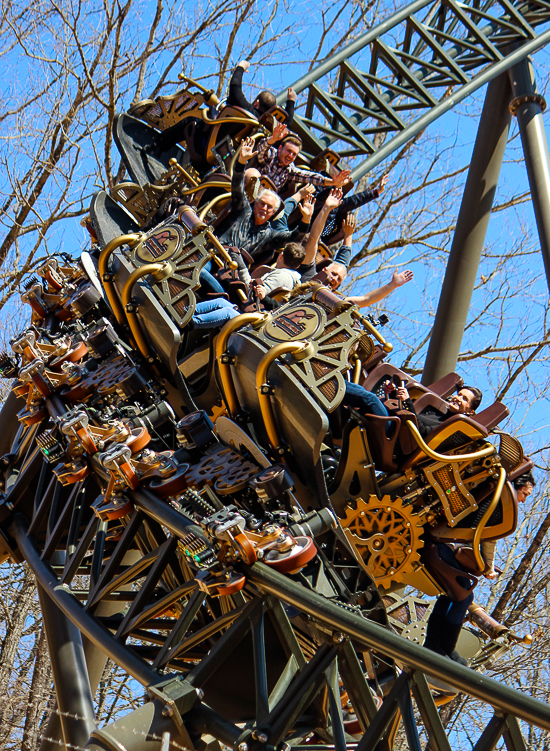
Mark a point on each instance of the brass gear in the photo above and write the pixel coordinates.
(386, 536)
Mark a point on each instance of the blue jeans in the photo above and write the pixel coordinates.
(213, 313)
(365, 401)
(208, 281)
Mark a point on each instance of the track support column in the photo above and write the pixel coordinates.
(469, 237)
(72, 686)
(528, 107)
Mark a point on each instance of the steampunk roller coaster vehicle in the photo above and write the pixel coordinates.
(201, 509)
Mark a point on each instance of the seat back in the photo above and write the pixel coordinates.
(109, 219)
(302, 424)
(166, 306)
(432, 402)
(491, 416)
(382, 434)
(456, 583)
(447, 385)
(225, 126)
(134, 139)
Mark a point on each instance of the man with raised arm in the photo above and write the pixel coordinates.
(263, 102)
(249, 228)
(278, 163)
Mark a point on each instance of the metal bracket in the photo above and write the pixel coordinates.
(178, 697)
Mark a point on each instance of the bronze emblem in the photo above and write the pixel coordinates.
(298, 323)
(161, 244)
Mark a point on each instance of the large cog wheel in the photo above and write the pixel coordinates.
(386, 535)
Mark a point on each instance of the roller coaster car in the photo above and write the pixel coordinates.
(245, 474)
(209, 141)
(451, 488)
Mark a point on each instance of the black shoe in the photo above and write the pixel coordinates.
(456, 657)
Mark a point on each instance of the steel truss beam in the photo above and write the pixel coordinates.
(369, 99)
(306, 691)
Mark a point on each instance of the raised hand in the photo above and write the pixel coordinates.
(247, 150)
(334, 198)
(349, 224)
(400, 278)
(279, 132)
(306, 208)
(291, 94)
(383, 182)
(342, 178)
(307, 190)
(244, 64)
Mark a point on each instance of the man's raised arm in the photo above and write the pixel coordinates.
(312, 243)
(370, 298)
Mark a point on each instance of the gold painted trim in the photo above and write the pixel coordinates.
(386, 346)
(221, 250)
(131, 316)
(103, 264)
(278, 350)
(446, 457)
(485, 518)
(228, 387)
(357, 368)
(210, 205)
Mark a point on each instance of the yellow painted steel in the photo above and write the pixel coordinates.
(104, 258)
(488, 451)
(226, 378)
(210, 205)
(131, 316)
(485, 518)
(284, 348)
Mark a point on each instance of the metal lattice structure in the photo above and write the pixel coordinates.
(369, 99)
(234, 577)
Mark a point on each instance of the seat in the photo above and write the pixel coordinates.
(526, 466)
(450, 579)
(301, 422)
(109, 219)
(492, 416)
(382, 445)
(133, 139)
(230, 127)
(430, 401)
(447, 385)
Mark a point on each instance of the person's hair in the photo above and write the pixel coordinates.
(478, 395)
(296, 140)
(522, 480)
(293, 255)
(337, 265)
(267, 192)
(266, 100)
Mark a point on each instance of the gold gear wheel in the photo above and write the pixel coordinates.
(386, 535)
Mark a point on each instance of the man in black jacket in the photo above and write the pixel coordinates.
(263, 102)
